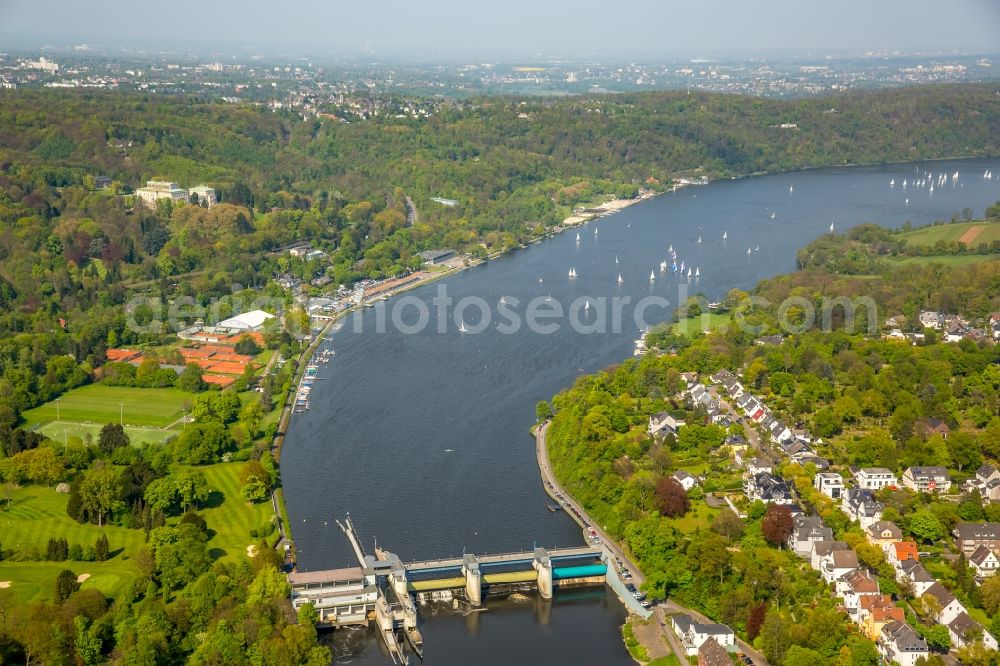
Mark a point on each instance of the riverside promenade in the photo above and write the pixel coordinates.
(661, 611)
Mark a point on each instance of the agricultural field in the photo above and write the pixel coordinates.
(99, 404)
(954, 260)
(969, 233)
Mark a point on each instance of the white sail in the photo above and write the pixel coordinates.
(772, 215)
(725, 235)
(587, 306)
(671, 248)
(699, 239)
(756, 248)
(503, 299)
(616, 258)
(749, 250)
(831, 227)
(578, 237)
(620, 280)
(697, 272)
(652, 276)
(791, 189)
(689, 272)
(892, 183)
(462, 328)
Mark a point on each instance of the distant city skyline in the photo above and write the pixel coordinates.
(457, 28)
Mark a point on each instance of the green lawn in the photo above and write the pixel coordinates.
(138, 435)
(949, 259)
(37, 514)
(709, 321)
(96, 403)
(953, 232)
(229, 516)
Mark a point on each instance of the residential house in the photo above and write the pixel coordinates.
(686, 480)
(901, 551)
(949, 605)
(767, 488)
(931, 426)
(830, 484)
(874, 478)
(917, 575)
(931, 319)
(985, 561)
(795, 449)
(758, 466)
(663, 423)
(883, 533)
(689, 378)
(693, 634)
(933, 479)
(805, 531)
(712, 654)
(969, 536)
(873, 619)
(823, 549)
(861, 505)
(987, 482)
(898, 643)
(100, 182)
(896, 321)
(854, 585)
(837, 564)
(964, 631)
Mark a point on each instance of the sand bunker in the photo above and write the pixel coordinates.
(251, 551)
(82, 577)
(4, 584)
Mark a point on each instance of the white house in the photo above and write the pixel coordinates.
(837, 563)
(805, 531)
(861, 505)
(931, 479)
(899, 643)
(874, 478)
(830, 484)
(964, 630)
(854, 585)
(985, 561)
(663, 423)
(686, 480)
(917, 575)
(693, 633)
(950, 606)
(822, 550)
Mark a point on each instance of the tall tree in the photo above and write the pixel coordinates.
(776, 526)
(671, 498)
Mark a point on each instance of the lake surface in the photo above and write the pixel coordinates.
(423, 436)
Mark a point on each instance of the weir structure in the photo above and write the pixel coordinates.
(382, 589)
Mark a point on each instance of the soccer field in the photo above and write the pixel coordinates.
(98, 404)
(138, 435)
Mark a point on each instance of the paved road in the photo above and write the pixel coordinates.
(668, 607)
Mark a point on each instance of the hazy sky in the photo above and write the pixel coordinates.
(483, 27)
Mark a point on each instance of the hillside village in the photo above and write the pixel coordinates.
(899, 618)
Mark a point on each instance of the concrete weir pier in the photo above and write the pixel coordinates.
(382, 589)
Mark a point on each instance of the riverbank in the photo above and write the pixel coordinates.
(649, 638)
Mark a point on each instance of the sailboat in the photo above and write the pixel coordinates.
(652, 276)
(663, 266)
(586, 306)
(831, 227)
(697, 272)
(616, 259)
(572, 272)
(503, 300)
(892, 183)
(725, 235)
(749, 250)
(699, 239)
(689, 273)
(595, 231)
(671, 248)
(756, 248)
(548, 298)
(620, 280)
(539, 280)
(628, 226)
(462, 328)
(682, 267)
(772, 215)
(932, 188)
(907, 202)
(791, 189)
(904, 183)
(578, 237)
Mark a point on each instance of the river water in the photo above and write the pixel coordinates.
(423, 436)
